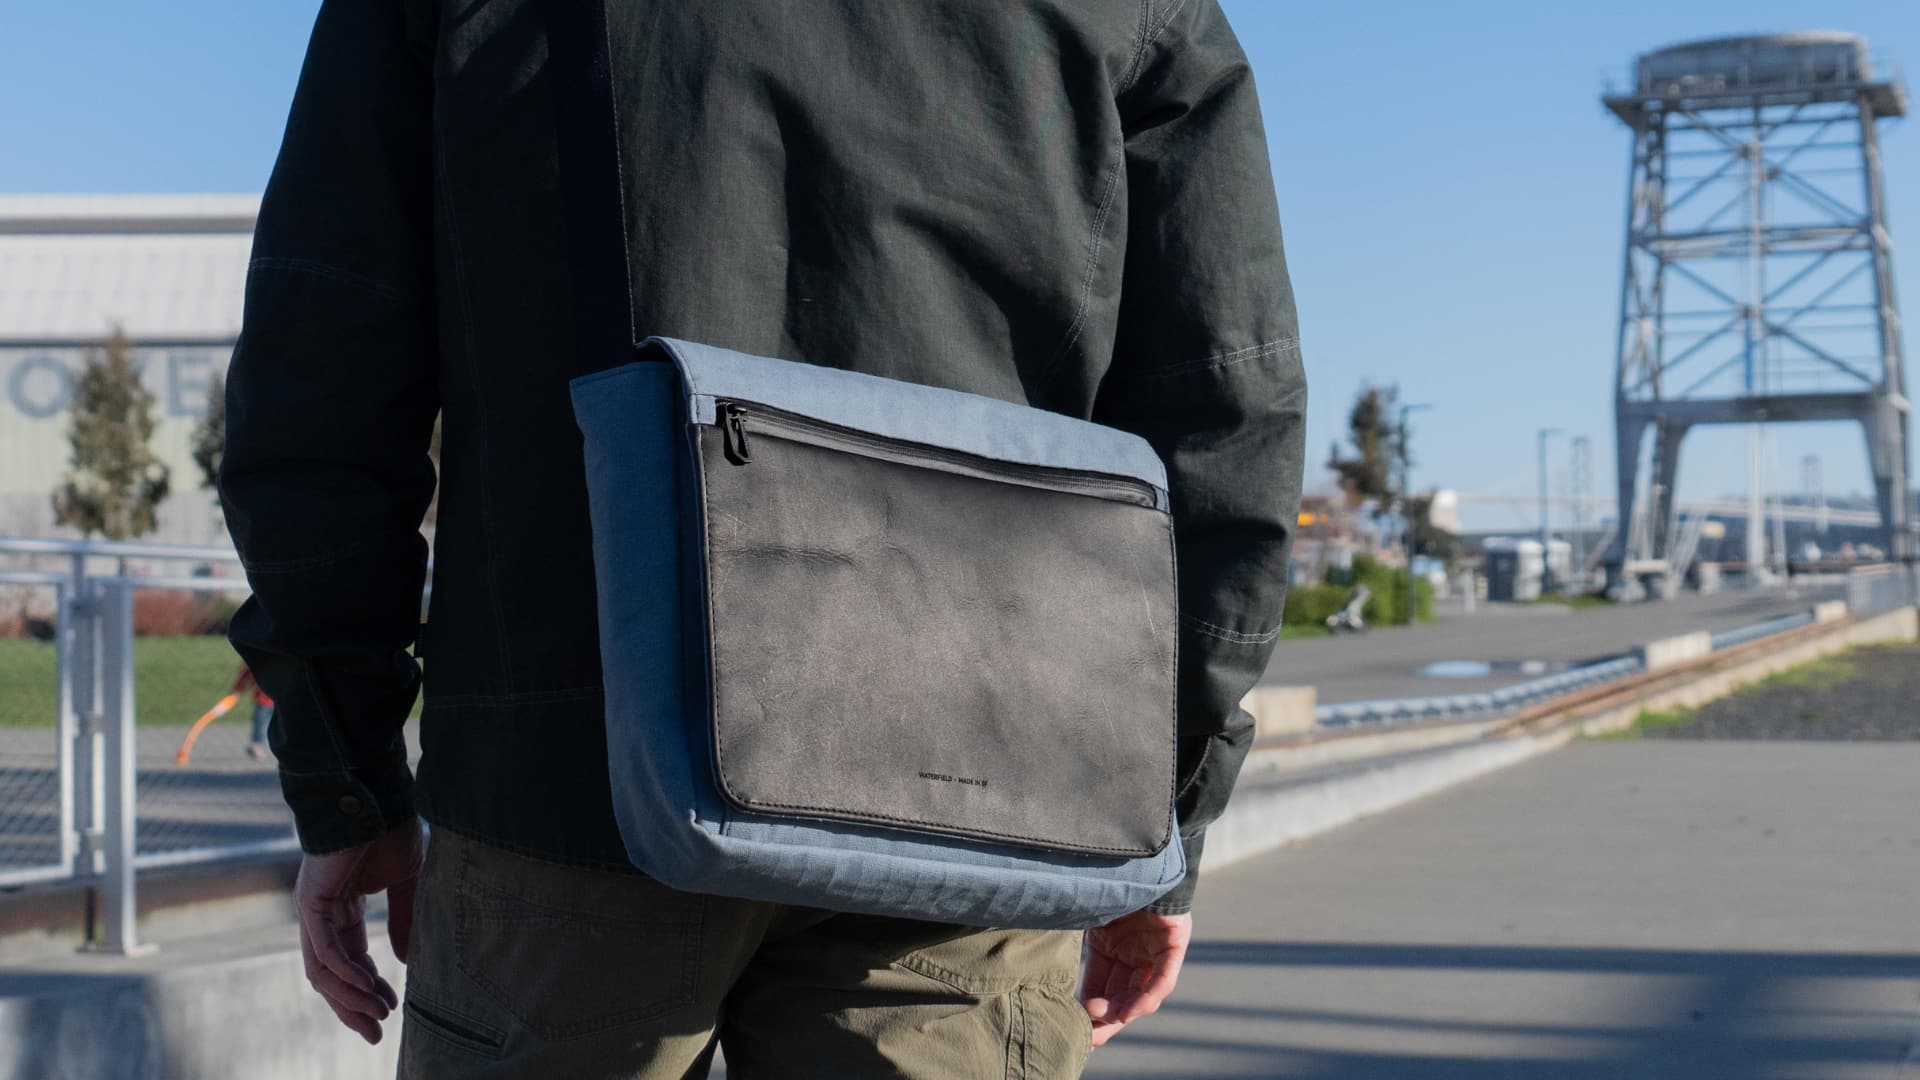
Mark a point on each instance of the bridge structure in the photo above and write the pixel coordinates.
(1758, 278)
(1812, 514)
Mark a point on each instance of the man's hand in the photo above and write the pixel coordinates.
(330, 900)
(1132, 964)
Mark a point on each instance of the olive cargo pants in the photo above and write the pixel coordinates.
(520, 967)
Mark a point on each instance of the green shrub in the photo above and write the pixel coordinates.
(1309, 605)
(1387, 586)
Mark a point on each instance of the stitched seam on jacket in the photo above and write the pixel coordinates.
(333, 737)
(1148, 35)
(485, 485)
(1140, 39)
(1277, 347)
(1206, 751)
(325, 270)
(1153, 35)
(1094, 244)
(309, 562)
(1231, 637)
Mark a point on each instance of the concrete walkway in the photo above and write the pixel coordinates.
(1615, 911)
(1386, 662)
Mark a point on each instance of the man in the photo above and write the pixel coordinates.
(1061, 204)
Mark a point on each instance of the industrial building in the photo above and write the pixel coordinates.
(167, 269)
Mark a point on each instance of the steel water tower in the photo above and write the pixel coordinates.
(1758, 286)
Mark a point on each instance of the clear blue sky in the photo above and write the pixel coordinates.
(1452, 190)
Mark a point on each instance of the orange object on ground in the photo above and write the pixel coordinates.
(220, 709)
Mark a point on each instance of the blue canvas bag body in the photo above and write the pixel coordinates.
(867, 645)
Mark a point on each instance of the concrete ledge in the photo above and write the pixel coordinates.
(1668, 652)
(1269, 811)
(229, 1008)
(50, 921)
(1281, 710)
(1829, 611)
(1331, 746)
(1292, 792)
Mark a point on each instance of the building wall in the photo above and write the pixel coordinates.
(36, 392)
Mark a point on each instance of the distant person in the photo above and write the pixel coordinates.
(1068, 206)
(262, 712)
(1352, 615)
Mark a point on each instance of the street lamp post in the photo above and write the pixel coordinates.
(1546, 561)
(1406, 501)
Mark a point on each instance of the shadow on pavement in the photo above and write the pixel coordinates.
(1689, 1015)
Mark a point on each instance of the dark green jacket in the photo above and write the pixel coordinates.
(1065, 203)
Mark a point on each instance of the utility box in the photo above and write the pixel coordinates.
(1559, 567)
(1515, 568)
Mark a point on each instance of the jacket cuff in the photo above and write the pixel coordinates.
(333, 811)
(1180, 900)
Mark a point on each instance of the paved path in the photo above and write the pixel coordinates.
(1615, 911)
(1386, 662)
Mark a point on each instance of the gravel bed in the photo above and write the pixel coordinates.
(1869, 694)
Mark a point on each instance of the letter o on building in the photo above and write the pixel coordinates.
(32, 396)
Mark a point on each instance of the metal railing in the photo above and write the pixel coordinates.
(121, 804)
(1870, 592)
(1727, 639)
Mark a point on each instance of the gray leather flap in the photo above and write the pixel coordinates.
(905, 646)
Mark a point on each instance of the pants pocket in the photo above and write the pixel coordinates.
(570, 952)
(463, 1032)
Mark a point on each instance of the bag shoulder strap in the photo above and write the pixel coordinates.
(586, 136)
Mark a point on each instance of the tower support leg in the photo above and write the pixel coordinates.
(1667, 437)
(1886, 427)
(1629, 434)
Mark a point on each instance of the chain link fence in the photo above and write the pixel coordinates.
(127, 738)
(204, 786)
(35, 737)
(131, 738)
(1876, 589)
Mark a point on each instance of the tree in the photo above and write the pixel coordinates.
(210, 441)
(1375, 442)
(114, 482)
(1428, 538)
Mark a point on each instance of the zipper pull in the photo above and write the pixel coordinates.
(733, 426)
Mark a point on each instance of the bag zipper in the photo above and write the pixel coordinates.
(733, 427)
(734, 417)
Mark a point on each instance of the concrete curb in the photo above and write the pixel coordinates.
(233, 1009)
(1272, 810)
(1277, 805)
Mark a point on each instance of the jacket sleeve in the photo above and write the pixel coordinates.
(1207, 368)
(330, 406)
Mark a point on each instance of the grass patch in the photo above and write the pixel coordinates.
(1825, 673)
(1822, 674)
(175, 679)
(27, 694)
(1291, 633)
(1650, 719)
(1574, 600)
